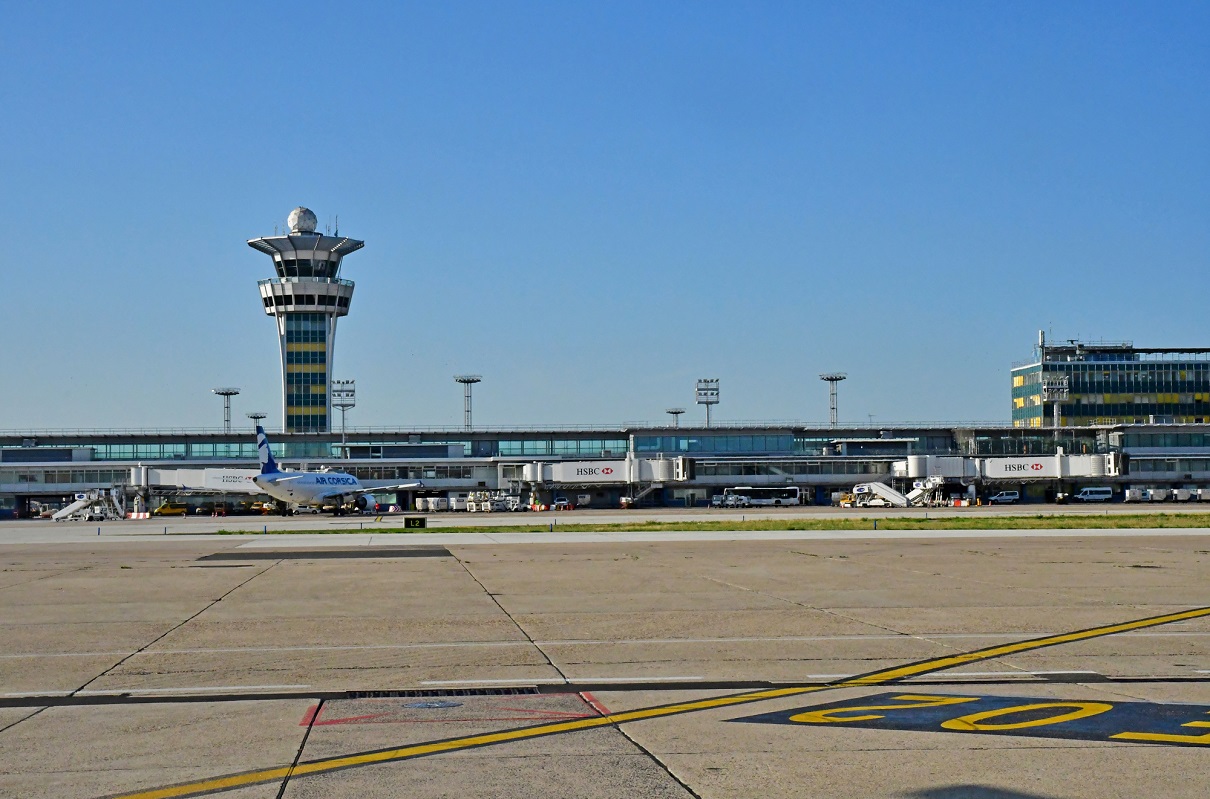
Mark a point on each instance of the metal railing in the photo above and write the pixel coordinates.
(716, 428)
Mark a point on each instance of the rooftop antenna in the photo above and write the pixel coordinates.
(832, 378)
(337, 225)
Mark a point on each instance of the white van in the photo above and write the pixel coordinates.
(1099, 494)
(1004, 498)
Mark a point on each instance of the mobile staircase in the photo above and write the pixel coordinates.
(97, 504)
(866, 493)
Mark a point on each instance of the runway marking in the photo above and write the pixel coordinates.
(1145, 722)
(880, 677)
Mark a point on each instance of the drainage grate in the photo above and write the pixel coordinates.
(325, 554)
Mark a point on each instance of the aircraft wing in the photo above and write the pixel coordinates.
(337, 492)
(399, 487)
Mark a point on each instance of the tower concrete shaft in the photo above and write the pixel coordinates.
(306, 298)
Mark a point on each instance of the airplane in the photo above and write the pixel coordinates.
(312, 487)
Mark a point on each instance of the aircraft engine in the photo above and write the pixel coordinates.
(362, 502)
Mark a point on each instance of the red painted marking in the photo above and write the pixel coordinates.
(309, 717)
(594, 703)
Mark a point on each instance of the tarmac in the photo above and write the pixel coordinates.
(934, 664)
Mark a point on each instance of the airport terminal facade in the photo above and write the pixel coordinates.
(1149, 408)
(49, 466)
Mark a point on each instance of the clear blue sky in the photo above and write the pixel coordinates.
(593, 205)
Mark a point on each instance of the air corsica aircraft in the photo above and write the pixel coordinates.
(312, 487)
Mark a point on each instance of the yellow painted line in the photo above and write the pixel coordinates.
(881, 677)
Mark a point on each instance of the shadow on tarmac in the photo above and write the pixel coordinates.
(973, 792)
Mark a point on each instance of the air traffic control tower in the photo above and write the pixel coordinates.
(306, 298)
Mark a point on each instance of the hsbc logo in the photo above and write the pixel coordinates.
(1013, 468)
(607, 470)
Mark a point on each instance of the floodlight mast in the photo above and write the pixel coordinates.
(675, 413)
(226, 393)
(467, 381)
(344, 396)
(707, 394)
(256, 417)
(832, 379)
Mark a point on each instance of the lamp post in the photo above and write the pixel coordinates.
(707, 394)
(226, 393)
(675, 413)
(832, 379)
(467, 381)
(344, 396)
(1055, 390)
(256, 417)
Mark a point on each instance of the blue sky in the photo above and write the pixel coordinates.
(593, 205)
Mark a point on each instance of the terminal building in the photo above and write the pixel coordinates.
(1109, 383)
(594, 467)
(1140, 418)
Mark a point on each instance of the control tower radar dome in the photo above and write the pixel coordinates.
(302, 220)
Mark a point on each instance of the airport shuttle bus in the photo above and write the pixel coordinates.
(773, 495)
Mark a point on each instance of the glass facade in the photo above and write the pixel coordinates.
(794, 469)
(684, 445)
(1129, 388)
(306, 356)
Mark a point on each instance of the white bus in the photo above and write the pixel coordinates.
(772, 495)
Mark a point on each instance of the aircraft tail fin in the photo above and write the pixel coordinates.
(267, 464)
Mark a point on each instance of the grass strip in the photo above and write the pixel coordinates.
(1036, 522)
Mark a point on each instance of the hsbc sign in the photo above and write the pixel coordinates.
(588, 472)
(1020, 468)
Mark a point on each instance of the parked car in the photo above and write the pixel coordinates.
(171, 509)
(1100, 494)
(1004, 498)
(562, 504)
(307, 509)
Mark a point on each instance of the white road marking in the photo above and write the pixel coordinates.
(559, 681)
(585, 642)
(205, 689)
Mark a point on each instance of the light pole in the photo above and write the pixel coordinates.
(344, 396)
(256, 417)
(467, 381)
(707, 394)
(1055, 390)
(226, 393)
(676, 415)
(832, 378)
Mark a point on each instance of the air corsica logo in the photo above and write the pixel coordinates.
(331, 480)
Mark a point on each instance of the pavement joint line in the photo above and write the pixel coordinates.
(578, 642)
(174, 628)
(880, 677)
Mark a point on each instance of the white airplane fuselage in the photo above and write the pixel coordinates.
(306, 488)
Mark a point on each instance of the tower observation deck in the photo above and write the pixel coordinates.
(306, 298)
